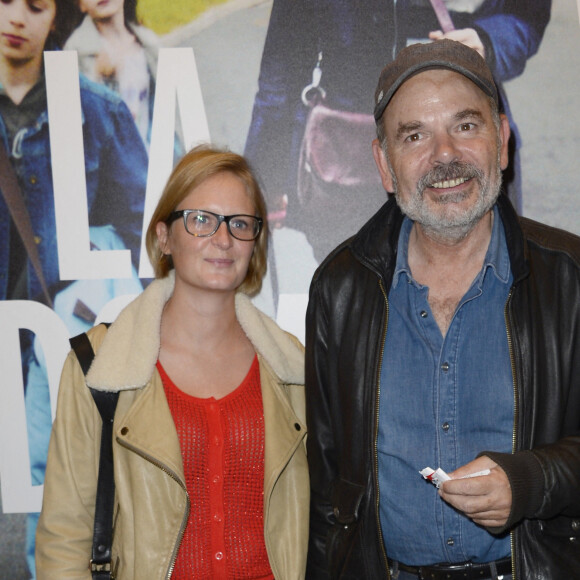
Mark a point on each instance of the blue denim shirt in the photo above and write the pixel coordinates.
(116, 173)
(443, 400)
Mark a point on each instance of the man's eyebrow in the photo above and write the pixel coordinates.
(469, 114)
(406, 128)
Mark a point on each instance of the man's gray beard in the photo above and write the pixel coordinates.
(450, 227)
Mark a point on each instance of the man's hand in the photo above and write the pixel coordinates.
(467, 36)
(487, 499)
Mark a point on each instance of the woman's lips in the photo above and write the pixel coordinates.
(220, 261)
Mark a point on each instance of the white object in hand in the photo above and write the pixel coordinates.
(438, 476)
(435, 476)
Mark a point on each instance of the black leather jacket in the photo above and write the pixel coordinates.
(346, 325)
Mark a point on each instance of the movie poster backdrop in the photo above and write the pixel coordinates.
(246, 74)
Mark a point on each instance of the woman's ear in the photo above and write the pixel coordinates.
(162, 231)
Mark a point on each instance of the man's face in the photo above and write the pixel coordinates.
(444, 152)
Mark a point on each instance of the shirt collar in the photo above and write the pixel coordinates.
(496, 258)
(402, 264)
(40, 84)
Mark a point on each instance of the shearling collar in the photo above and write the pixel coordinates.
(127, 356)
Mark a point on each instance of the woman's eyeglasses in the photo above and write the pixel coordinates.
(202, 224)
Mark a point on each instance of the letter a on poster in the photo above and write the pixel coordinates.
(177, 83)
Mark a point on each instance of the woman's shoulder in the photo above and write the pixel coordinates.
(97, 334)
(282, 350)
(145, 36)
(128, 350)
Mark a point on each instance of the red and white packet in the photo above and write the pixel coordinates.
(438, 476)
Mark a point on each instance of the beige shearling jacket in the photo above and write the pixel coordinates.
(151, 504)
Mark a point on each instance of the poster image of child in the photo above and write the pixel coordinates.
(115, 171)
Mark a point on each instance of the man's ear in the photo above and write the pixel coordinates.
(162, 231)
(504, 134)
(383, 167)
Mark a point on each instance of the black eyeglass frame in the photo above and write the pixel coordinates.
(175, 215)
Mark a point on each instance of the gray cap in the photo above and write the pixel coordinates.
(417, 58)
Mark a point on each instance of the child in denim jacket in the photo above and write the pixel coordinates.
(116, 172)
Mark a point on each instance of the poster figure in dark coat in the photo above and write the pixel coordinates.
(356, 40)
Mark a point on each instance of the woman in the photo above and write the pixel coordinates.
(209, 455)
(115, 50)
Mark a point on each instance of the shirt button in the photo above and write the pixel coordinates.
(450, 541)
(216, 440)
(445, 367)
(216, 479)
(217, 518)
(445, 426)
(219, 555)
(424, 314)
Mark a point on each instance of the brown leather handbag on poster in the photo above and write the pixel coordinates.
(335, 167)
(337, 178)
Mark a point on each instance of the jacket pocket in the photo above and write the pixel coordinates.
(554, 547)
(562, 527)
(346, 498)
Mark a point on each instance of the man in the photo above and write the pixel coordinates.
(445, 334)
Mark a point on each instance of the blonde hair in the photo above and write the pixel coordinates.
(193, 169)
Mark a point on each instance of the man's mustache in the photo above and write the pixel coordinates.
(449, 171)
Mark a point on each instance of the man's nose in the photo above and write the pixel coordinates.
(445, 149)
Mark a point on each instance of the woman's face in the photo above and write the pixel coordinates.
(101, 9)
(24, 28)
(218, 262)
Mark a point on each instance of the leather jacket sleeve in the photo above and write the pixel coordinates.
(544, 322)
(344, 539)
(545, 481)
(320, 456)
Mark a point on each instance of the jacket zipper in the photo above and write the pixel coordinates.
(176, 479)
(376, 433)
(516, 412)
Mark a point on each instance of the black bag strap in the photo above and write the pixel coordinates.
(105, 500)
